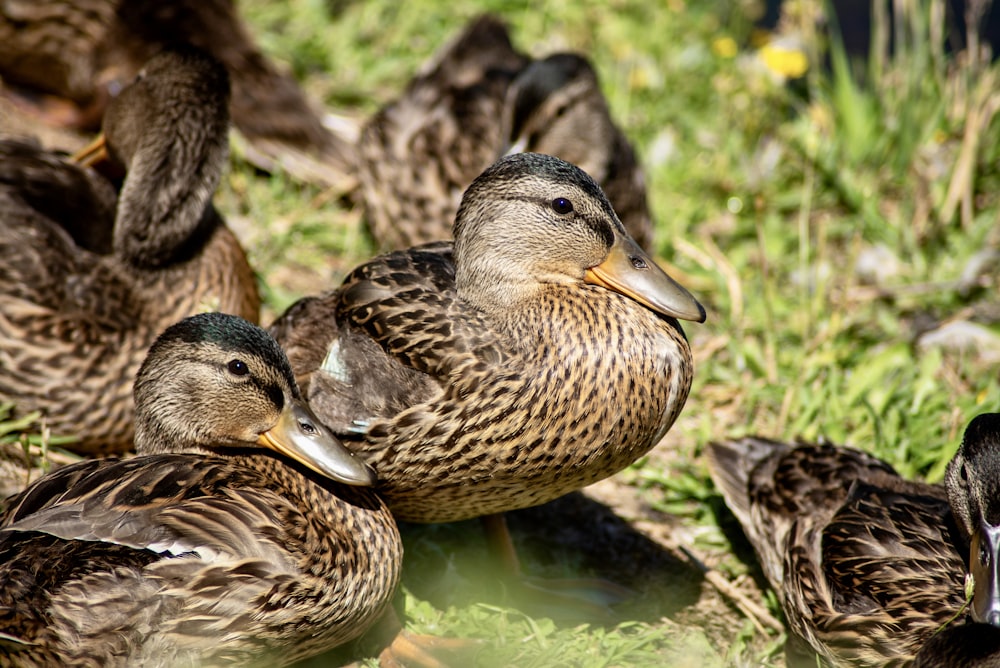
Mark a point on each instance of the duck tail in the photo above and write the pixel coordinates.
(731, 465)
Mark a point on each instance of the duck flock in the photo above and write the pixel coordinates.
(235, 490)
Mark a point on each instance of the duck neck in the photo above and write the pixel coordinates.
(164, 213)
(493, 285)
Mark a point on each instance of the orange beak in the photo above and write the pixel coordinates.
(94, 153)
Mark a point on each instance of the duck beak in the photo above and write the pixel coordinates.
(93, 153)
(300, 435)
(630, 271)
(983, 553)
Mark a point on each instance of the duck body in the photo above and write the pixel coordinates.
(480, 385)
(85, 291)
(206, 548)
(221, 563)
(476, 101)
(868, 566)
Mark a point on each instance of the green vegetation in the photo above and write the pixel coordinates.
(825, 223)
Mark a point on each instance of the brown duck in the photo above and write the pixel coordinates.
(537, 354)
(869, 566)
(80, 53)
(87, 280)
(243, 533)
(480, 99)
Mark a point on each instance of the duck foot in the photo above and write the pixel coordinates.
(399, 648)
(411, 650)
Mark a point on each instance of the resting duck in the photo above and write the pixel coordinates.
(538, 353)
(477, 101)
(80, 53)
(88, 280)
(869, 566)
(243, 533)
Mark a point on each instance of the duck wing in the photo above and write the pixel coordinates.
(392, 336)
(167, 504)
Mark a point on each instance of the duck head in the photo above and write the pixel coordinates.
(973, 483)
(532, 219)
(215, 382)
(169, 131)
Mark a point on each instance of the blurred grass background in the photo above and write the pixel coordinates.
(841, 227)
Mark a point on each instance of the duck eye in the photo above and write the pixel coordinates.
(964, 473)
(238, 368)
(562, 206)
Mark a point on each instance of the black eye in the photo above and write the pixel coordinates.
(562, 206)
(238, 368)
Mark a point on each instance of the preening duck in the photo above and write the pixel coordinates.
(88, 279)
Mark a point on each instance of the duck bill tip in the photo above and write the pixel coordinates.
(94, 153)
(630, 271)
(302, 437)
(985, 571)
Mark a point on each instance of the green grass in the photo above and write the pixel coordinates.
(769, 199)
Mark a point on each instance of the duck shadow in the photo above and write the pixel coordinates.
(572, 537)
(740, 546)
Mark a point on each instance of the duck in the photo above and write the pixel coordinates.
(64, 61)
(537, 353)
(477, 100)
(89, 276)
(869, 566)
(242, 532)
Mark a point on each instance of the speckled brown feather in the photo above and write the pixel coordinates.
(74, 323)
(183, 557)
(474, 410)
(478, 99)
(867, 565)
(331, 549)
(540, 425)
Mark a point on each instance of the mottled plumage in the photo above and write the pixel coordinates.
(867, 565)
(536, 355)
(476, 101)
(87, 281)
(207, 548)
(84, 51)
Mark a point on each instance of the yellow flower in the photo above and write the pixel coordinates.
(724, 47)
(784, 58)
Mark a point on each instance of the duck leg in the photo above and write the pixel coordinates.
(590, 598)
